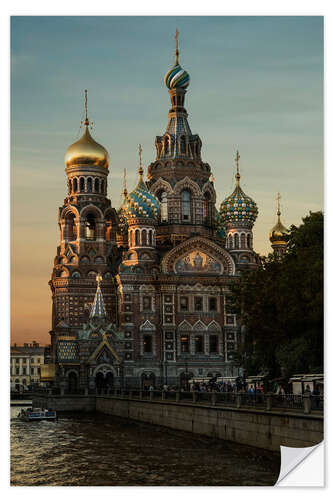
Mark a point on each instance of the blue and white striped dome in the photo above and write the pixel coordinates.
(177, 77)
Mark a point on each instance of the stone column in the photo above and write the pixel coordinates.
(239, 399)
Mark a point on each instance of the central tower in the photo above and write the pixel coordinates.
(178, 176)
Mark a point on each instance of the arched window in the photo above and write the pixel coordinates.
(236, 240)
(230, 241)
(75, 185)
(137, 237)
(102, 186)
(242, 240)
(166, 146)
(207, 208)
(76, 274)
(186, 205)
(182, 145)
(150, 236)
(144, 237)
(89, 185)
(90, 227)
(248, 241)
(81, 184)
(163, 197)
(70, 187)
(97, 185)
(70, 228)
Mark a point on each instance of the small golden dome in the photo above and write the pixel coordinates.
(86, 151)
(279, 234)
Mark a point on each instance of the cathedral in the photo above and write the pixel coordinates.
(140, 295)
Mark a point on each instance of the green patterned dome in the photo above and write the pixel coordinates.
(140, 203)
(239, 208)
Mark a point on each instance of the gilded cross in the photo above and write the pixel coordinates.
(237, 160)
(140, 155)
(125, 187)
(86, 103)
(99, 278)
(278, 202)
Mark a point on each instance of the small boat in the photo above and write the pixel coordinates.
(30, 414)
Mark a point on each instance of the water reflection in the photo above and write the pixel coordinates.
(99, 450)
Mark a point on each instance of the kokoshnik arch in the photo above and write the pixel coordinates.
(164, 264)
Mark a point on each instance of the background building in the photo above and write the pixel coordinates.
(25, 365)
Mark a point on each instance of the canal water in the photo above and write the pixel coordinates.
(100, 450)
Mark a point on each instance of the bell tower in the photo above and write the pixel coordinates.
(87, 224)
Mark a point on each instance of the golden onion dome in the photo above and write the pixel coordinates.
(86, 151)
(279, 234)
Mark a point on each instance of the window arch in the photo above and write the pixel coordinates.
(144, 237)
(150, 237)
(97, 185)
(137, 237)
(207, 208)
(236, 240)
(75, 185)
(186, 205)
(242, 240)
(230, 241)
(76, 274)
(90, 232)
(248, 241)
(89, 185)
(102, 186)
(81, 184)
(70, 227)
(163, 197)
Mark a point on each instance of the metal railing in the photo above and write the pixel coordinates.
(300, 403)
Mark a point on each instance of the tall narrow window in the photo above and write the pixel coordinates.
(89, 185)
(90, 227)
(242, 240)
(150, 238)
(96, 185)
(207, 211)
(81, 184)
(248, 241)
(236, 241)
(70, 228)
(230, 241)
(213, 343)
(147, 343)
(75, 185)
(164, 206)
(144, 237)
(186, 205)
(137, 237)
(184, 343)
(198, 341)
(102, 187)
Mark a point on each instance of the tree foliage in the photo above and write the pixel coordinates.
(281, 306)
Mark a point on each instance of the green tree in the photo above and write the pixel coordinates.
(281, 306)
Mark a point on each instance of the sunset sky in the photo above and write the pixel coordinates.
(256, 86)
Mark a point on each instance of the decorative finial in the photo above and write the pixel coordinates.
(99, 279)
(86, 121)
(140, 160)
(212, 178)
(177, 51)
(278, 205)
(125, 186)
(237, 166)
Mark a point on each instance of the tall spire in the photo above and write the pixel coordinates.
(237, 166)
(177, 51)
(98, 307)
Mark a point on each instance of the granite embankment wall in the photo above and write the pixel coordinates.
(71, 402)
(254, 427)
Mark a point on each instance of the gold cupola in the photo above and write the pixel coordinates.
(86, 151)
(279, 234)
